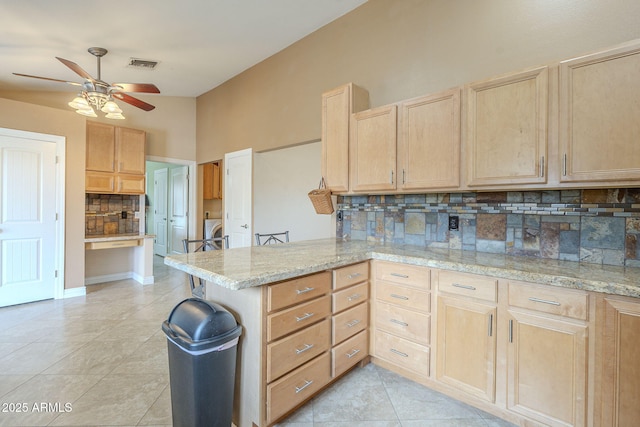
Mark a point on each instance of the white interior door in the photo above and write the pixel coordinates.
(238, 209)
(160, 211)
(27, 220)
(178, 208)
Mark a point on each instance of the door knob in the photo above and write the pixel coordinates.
(245, 226)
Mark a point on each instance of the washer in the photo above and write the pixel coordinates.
(212, 229)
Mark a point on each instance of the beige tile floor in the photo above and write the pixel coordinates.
(101, 360)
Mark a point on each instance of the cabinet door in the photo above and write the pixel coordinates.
(621, 370)
(337, 106)
(547, 369)
(130, 184)
(211, 181)
(600, 116)
(373, 149)
(506, 138)
(429, 142)
(100, 147)
(130, 145)
(99, 182)
(466, 346)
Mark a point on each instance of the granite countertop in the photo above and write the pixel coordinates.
(116, 237)
(241, 268)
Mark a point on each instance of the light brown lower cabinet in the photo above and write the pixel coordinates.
(620, 379)
(547, 357)
(547, 369)
(466, 341)
(533, 354)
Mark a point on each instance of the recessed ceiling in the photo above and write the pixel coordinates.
(198, 44)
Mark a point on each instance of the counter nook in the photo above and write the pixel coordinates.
(552, 339)
(119, 256)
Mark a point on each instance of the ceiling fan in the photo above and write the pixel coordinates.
(97, 94)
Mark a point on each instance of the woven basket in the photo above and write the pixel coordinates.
(321, 199)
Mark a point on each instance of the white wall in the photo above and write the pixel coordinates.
(282, 179)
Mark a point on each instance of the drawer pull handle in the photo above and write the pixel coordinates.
(304, 291)
(399, 297)
(399, 322)
(543, 301)
(353, 353)
(304, 317)
(353, 323)
(305, 348)
(353, 297)
(458, 285)
(403, 276)
(306, 384)
(354, 275)
(393, 350)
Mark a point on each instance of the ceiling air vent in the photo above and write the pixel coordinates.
(143, 64)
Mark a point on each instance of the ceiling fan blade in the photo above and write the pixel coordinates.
(76, 68)
(133, 101)
(137, 87)
(48, 78)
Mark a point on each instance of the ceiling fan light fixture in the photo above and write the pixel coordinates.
(111, 107)
(79, 103)
(88, 113)
(117, 116)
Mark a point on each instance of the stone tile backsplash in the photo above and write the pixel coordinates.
(599, 226)
(103, 214)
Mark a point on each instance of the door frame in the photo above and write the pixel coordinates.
(192, 216)
(59, 257)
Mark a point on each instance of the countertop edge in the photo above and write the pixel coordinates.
(255, 267)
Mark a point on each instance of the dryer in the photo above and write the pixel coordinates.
(212, 229)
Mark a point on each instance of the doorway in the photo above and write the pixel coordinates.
(31, 220)
(171, 199)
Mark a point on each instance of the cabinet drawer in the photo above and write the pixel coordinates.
(347, 354)
(349, 297)
(349, 275)
(290, 352)
(298, 386)
(468, 285)
(404, 296)
(295, 318)
(349, 322)
(405, 323)
(411, 275)
(295, 291)
(548, 299)
(114, 244)
(403, 353)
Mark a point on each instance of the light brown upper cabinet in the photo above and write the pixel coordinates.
(372, 149)
(211, 181)
(506, 130)
(115, 160)
(337, 107)
(429, 142)
(599, 121)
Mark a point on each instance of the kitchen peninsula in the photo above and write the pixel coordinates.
(430, 307)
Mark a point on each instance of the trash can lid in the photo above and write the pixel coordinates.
(198, 324)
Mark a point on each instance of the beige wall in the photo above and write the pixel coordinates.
(398, 50)
(34, 118)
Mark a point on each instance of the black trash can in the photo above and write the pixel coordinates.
(202, 338)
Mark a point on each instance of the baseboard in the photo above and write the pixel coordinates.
(145, 280)
(80, 291)
(107, 278)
